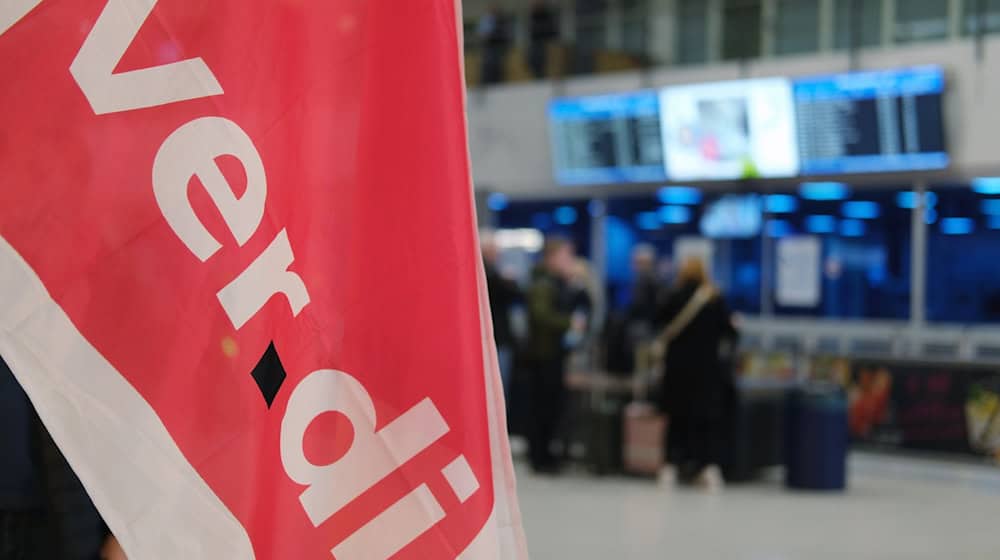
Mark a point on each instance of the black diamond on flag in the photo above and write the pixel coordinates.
(269, 374)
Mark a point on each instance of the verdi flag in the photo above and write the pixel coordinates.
(239, 277)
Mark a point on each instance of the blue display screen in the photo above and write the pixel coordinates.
(869, 122)
(607, 139)
(733, 217)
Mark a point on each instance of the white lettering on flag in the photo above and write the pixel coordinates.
(94, 66)
(372, 455)
(191, 152)
(392, 529)
(265, 277)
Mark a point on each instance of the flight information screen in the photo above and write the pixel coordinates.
(869, 122)
(607, 139)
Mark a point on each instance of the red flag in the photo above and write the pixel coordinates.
(239, 276)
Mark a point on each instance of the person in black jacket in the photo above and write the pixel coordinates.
(645, 294)
(697, 385)
(542, 30)
(22, 522)
(503, 293)
(45, 513)
(494, 35)
(646, 288)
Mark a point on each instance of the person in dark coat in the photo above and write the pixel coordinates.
(697, 386)
(583, 293)
(645, 295)
(503, 293)
(646, 288)
(494, 35)
(45, 513)
(542, 30)
(550, 317)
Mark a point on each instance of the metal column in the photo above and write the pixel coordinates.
(598, 209)
(827, 17)
(888, 22)
(715, 30)
(766, 269)
(918, 259)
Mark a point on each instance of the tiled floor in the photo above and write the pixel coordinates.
(896, 509)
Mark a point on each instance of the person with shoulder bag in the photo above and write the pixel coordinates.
(696, 383)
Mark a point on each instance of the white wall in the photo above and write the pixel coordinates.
(508, 129)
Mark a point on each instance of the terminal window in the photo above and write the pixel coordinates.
(921, 20)
(692, 31)
(591, 34)
(741, 29)
(635, 26)
(963, 229)
(857, 23)
(981, 16)
(797, 27)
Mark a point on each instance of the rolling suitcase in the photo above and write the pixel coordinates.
(604, 435)
(643, 426)
(816, 438)
(755, 433)
(644, 431)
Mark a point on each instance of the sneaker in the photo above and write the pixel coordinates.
(667, 477)
(710, 479)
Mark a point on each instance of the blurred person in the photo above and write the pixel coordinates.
(645, 294)
(583, 292)
(550, 318)
(543, 29)
(589, 27)
(503, 293)
(45, 513)
(494, 35)
(664, 271)
(588, 297)
(697, 386)
(631, 325)
(629, 331)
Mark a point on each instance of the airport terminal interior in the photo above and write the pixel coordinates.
(831, 168)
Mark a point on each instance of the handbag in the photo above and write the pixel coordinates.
(660, 346)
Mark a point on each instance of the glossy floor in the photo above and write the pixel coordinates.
(896, 509)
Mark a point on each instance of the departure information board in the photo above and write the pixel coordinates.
(869, 122)
(607, 139)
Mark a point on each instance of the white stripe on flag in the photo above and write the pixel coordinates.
(11, 12)
(153, 500)
(502, 538)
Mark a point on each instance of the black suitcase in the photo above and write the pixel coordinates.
(756, 434)
(604, 435)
